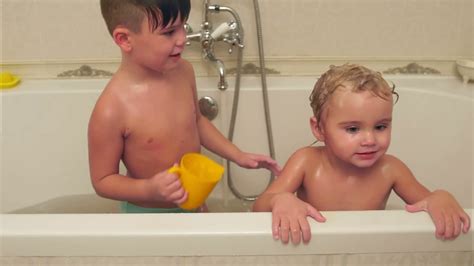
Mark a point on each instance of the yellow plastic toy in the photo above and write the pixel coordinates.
(8, 80)
(199, 175)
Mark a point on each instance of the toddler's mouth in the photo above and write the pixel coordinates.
(366, 152)
(366, 155)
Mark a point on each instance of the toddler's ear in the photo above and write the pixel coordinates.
(121, 36)
(318, 132)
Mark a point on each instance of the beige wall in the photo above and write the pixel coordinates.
(42, 37)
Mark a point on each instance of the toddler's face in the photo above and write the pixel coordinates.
(357, 126)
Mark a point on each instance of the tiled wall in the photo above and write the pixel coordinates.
(301, 36)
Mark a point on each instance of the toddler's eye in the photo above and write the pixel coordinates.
(352, 129)
(381, 127)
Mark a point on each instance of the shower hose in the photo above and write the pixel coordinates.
(235, 103)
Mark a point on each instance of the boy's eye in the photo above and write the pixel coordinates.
(168, 33)
(381, 127)
(352, 129)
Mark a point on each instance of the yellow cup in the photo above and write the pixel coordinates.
(199, 175)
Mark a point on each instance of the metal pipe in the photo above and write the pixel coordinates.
(205, 10)
(222, 83)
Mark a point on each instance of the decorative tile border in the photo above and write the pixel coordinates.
(412, 68)
(85, 71)
(251, 68)
(285, 66)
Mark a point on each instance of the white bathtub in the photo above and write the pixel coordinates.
(50, 213)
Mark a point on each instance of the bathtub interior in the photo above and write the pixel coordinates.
(45, 165)
(45, 178)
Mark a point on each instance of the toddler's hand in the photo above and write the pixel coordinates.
(448, 216)
(167, 187)
(289, 217)
(254, 161)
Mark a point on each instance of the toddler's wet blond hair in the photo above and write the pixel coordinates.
(359, 77)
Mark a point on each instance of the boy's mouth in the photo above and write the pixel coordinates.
(176, 55)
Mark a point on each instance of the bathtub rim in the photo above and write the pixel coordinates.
(253, 81)
(346, 232)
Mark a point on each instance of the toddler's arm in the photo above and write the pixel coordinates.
(288, 216)
(288, 212)
(447, 215)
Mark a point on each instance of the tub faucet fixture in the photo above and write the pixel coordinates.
(230, 32)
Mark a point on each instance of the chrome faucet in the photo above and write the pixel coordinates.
(230, 32)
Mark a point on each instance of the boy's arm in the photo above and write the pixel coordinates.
(105, 141)
(213, 140)
(289, 212)
(448, 216)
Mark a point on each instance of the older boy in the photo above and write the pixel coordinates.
(147, 116)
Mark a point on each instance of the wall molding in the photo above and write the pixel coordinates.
(287, 66)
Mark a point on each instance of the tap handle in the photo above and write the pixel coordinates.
(192, 37)
(220, 30)
(187, 28)
(189, 33)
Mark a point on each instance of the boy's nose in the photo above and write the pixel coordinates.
(181, 37)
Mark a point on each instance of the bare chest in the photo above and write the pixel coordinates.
(367, 193)
(159, 131)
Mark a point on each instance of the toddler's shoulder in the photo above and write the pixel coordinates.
(308, 153)
(391, 159)
(392, 163)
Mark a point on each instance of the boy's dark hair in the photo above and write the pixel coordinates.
(131, 13)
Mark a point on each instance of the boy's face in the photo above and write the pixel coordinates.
(161, 49)
(356, 126)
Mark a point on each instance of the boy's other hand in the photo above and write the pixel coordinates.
(289, 218)
(166, 186)
(254, 161)
(447, 215)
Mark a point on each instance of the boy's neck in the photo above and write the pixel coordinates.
(138, 72)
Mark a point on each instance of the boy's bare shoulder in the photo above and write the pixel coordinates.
(186, 64)
(184, 67)
(108, 106)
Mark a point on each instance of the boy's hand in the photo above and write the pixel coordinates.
(254, 161)
(167, 187)
(289, 218)
(448, 216)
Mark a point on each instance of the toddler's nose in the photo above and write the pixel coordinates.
(369, 138)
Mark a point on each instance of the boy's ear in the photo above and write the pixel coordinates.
(121, 36)
(318, 132)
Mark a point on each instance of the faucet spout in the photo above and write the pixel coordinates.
(222, 83)
(229, 32)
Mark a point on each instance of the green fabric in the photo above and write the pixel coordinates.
(127, 207)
